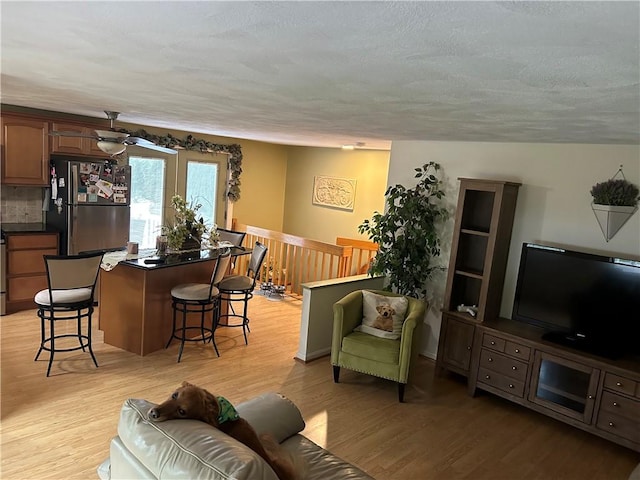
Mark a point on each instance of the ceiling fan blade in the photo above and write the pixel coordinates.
(141, 142)
(69, 134)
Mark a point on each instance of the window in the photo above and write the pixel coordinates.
(202, 181)
(156, 177)
(147, 199)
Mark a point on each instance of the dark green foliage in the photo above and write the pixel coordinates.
(408, 232)
(620, 192)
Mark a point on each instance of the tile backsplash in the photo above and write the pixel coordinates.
(21, 204)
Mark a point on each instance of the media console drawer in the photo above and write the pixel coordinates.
(502, 382)
(619, 425)
(619, 384)
(504, 365)
(619, 405)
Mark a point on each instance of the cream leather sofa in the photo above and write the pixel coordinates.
(189, 449)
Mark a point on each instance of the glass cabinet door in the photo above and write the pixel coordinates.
(564, 386)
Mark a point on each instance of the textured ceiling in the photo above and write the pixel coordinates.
(330, 73)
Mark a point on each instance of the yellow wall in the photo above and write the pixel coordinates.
(262, 189)
(301, 217)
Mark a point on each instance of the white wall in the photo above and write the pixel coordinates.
(554, 204)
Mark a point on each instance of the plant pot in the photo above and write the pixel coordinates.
(611, 218)
(190, 244)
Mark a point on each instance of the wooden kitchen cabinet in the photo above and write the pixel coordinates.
(25, 151)
(75, 145)
(26, 271)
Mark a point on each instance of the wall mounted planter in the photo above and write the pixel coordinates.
(611, 218)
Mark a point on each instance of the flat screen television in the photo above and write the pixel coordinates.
(586, 301)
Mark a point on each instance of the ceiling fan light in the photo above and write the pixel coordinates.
(111, 148)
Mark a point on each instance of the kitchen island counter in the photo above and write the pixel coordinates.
(135, 310)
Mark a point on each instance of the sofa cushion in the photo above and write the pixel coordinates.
(274, 414)
(193, 449)
(322, 464)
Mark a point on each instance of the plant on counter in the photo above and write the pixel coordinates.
(408, 233)
(187, 231)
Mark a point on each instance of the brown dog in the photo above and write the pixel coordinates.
(192, 402)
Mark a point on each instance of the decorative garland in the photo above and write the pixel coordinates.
(191, 143)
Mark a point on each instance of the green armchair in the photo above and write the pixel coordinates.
(381, 357)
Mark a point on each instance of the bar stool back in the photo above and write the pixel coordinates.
(71, 284)
(231, 236)
(199, 298)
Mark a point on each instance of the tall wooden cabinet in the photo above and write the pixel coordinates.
(479, 252)
(25, 151)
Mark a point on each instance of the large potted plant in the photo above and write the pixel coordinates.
(614, 202)
(408, 233)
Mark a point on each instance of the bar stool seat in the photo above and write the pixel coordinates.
(194, 291)
(199, 298)
(74, 295)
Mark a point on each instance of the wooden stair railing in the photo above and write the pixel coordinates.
(292, 260)
(363, 253)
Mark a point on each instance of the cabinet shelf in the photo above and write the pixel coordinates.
(471, 231)
(562, 393)
(480, 245)
(467, 273)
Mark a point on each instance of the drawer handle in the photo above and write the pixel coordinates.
(490, 359)
(590, 397)
(615, 404)
(492, 342)
(511, 385)
(618, 384)
(517, 350)
(469, 347)
(611, 424)
(487, 377)
(514, 368)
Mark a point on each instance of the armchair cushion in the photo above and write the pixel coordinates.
(382, 315)
(362, 345)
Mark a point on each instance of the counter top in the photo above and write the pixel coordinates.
(8, 228)
(173, 260)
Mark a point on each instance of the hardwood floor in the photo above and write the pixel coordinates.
(60, 427)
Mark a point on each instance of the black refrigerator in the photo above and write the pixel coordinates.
(89, 204)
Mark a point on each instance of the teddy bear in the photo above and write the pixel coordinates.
(384, 320)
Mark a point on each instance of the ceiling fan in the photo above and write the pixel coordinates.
(113, 142)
